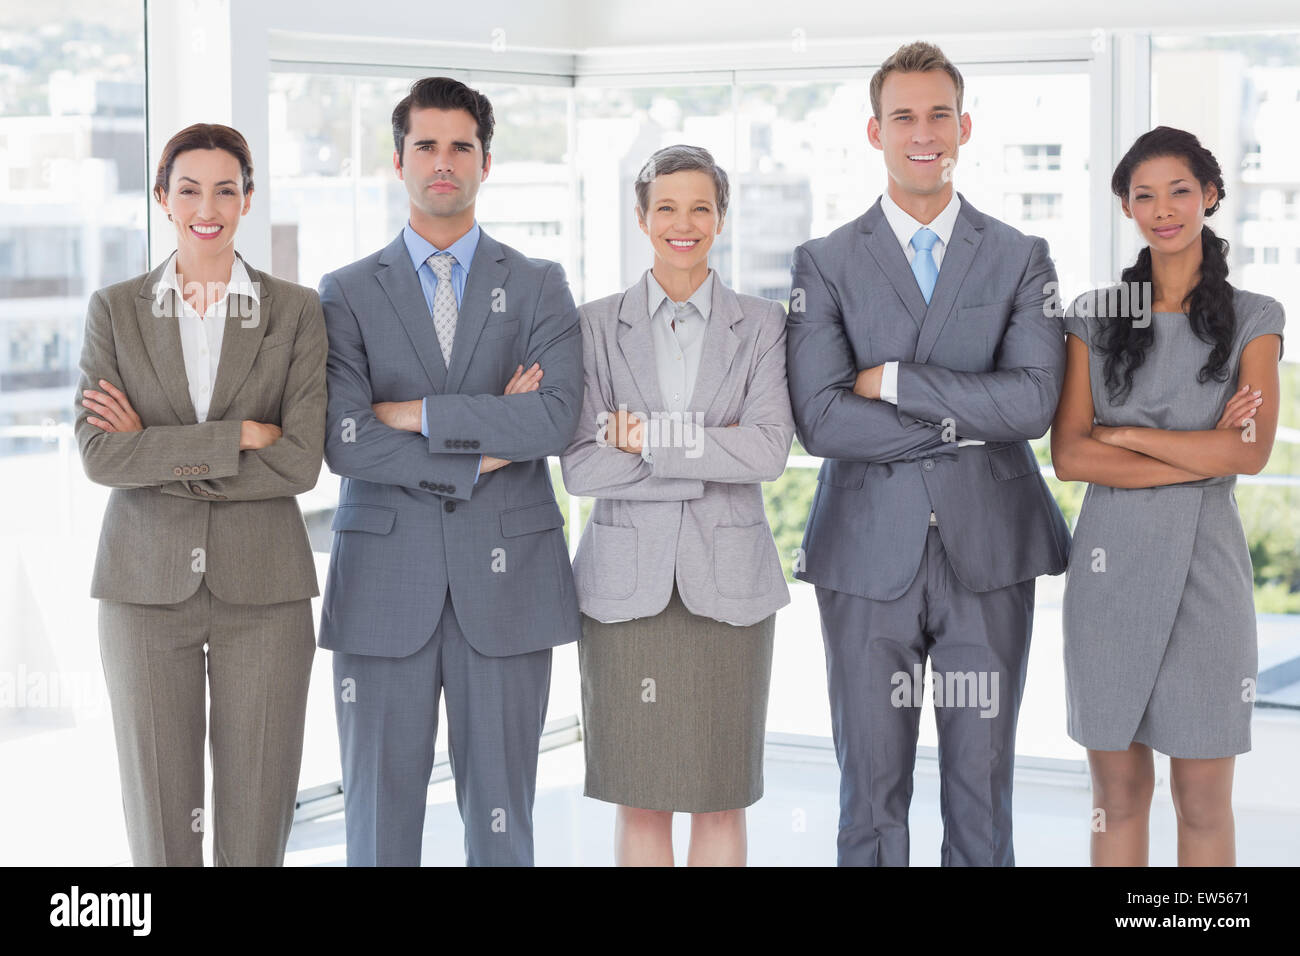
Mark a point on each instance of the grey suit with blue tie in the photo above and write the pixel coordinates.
(980, 360)
(442, 579)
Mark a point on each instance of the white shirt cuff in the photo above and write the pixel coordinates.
(889, 383)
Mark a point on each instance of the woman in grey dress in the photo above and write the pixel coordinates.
(1171, 391)
(686, 411)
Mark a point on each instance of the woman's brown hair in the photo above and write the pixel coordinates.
(204, 136)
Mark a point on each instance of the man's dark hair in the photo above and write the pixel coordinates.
(443, 93)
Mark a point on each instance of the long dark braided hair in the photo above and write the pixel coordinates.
(1209, 306)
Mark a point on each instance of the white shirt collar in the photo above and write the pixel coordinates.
(240, 283)
(701, 298)
(905, 226)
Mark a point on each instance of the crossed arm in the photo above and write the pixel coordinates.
(1129, 457)
(381, 442)
(593, 466)
(244, 459)
(833, 418)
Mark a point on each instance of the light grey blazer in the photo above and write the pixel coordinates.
(694, 518)
(181, 485)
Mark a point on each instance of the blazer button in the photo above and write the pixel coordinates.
(447, 443)
(177, 471)
(451, 489)
(449, 506)
(195, 488)
(424, 484)
(927, 464)
(204, 469)
(474, 443)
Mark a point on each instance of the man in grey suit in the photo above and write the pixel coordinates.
(920, 359)
(455, 368)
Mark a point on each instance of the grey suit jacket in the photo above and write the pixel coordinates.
(983, 360)
(696, 515)
(411, 521)
(187, 503)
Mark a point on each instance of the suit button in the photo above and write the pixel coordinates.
(451, 489)
(177, 471)
(449, 506)
(424, 484)
(927, 464)
(474, 443)
(195, 488)
(447, 443)
(204, 469)
(440, 488)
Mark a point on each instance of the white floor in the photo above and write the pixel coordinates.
(795, 823)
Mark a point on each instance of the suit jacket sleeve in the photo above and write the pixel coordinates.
(291, 464)
(1018, 399)
(153, 456)
(758, 447)
(357, 443)
(533, 424)
(831, 419)
(598, 470)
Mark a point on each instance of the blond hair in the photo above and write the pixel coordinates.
(919, 57)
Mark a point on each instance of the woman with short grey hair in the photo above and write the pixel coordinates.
(685, 414)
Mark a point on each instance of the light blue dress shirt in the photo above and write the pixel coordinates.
(419, 249)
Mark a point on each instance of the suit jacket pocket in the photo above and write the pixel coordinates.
(613, 565)
(500, 330)
(529, 518)
(1012, 461)
(739, 557)
(373, 518)
(843, 474)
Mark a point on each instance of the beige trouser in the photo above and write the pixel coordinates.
(256, 669)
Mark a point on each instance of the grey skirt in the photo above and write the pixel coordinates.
(674, 709)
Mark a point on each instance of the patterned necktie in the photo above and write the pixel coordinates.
(444, 303)
(923, 267)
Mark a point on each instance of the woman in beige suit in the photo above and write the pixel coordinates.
(202, 404)
(686, 412)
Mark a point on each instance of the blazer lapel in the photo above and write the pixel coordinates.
(402, 286)
(719, 348)
(161, 334)
(957, 258)
(637, 344)
(884, 248)
(484, 287)
(243, 335)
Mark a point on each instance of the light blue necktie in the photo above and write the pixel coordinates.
(923, 267)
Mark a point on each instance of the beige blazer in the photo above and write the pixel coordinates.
(187, 504)
(695, 515)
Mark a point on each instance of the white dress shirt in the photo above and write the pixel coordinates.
(678, 332)
(201, 336)
(905, 227)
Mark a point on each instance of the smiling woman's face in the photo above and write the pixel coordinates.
(682, 217)
(205, 200)
(1167, 203)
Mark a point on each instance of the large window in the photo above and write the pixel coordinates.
(565, 159)
(1240, 95)
(73, 190)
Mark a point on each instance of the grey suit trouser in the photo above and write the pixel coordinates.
(254, 662)
(978, 647)
(387, 709)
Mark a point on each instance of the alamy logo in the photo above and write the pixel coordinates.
(102, 909)
(950, 689)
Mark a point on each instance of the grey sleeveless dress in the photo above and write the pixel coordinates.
(1159, 615)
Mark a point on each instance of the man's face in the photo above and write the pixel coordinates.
(442, 161)
(919, 130)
